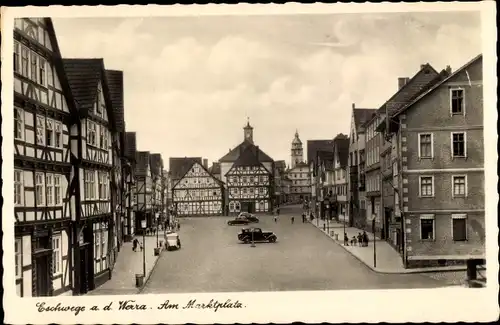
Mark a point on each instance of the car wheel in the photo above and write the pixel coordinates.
(272, 239)
(246, 241)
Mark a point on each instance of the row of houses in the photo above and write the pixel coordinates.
(80, 186)
(413, 168)
(241, 181)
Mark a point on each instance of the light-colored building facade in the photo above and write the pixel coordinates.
(143, 192)
(198, 193)
(439, 170)
(300, 189)
(297, 152)
(42, 166)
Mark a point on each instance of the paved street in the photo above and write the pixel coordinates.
(304, 258)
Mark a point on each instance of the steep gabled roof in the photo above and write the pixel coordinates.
(190, 164)
(215, 168)
(247, 158)
(59, 66)
(115, 83)
(415, 86)
(440, 80)
(233, 154)
(130, 145)
(342, 150)
(83, 77)
(179, 166)
(326, 157)
(142, 163)
(156, 163)
(361, 115)
(313, 146)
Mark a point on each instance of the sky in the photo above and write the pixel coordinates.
(191, 82)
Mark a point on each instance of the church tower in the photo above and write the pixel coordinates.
(248, 132)
(297, 154)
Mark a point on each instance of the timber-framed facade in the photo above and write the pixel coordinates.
(91, 136)
(249, 185)
(198, 193)
(42, 167)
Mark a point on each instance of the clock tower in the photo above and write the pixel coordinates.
(248, 132)
(296, 152)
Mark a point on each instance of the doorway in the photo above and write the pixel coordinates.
(387, 221)
(43, 285)
(248, 207)
(84, 269)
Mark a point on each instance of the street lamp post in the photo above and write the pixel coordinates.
(143, 223)
(374, 245)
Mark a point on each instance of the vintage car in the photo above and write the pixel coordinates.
(250, 217)
(173, 241)
(238, 221)
(248, 235)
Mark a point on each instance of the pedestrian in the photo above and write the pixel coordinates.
(293, 220)
(346, 240)
(360, 239)
(178, 226)
(312, 216)
(303, 217)
(353, 241)
(135, 242)
(365, 239)
(275, 219)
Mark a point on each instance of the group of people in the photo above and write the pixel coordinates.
(361, 239)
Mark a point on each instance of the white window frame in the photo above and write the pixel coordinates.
(49, 189)
(17, 57)
(465, 144)
(39, 189)
(40, 127)
(50, 128)
(42, 71)
(19, 120)
(463, 101)
(459, 216)
(18, 252)
(91, 133)
(57, 190)
(428, 217)
(58, 132)
(25, 61)
(420, 185)
(34, 59)
(56, 254)
(453, 186)
(420, 144)
(18, 187)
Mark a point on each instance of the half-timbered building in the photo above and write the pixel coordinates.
(258, 159)
(143, 191)
(115, 83)
(93, 162)
(249, 184)
(156, 163)
(128, 189)
(198, 192)
(42, 167)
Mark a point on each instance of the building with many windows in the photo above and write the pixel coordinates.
(129, 182)
(43, 205)
(91, 146)
(340, 172)
(249, 184)
(356, 186)
(439, 170)
(255, 169)
(197, 192)
(143, 192)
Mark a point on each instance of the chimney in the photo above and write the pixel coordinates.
(205, 163)
(353, 106)
(448, 70)
(402, 82)
(422, 66)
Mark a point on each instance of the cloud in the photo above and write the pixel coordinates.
(191, 94)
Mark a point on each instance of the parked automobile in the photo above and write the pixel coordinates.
(250, 217)
(247, 235)
(238, 221)
(173, 241)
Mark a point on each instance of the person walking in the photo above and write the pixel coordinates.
(346, 240)
(360, 239)
(293, 220)
(275, 219)
(134, 244)
(365, 238)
